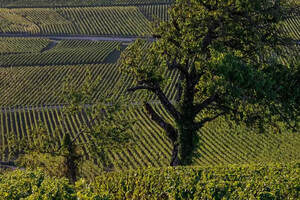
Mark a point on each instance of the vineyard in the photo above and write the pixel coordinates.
(291, 27)
(33, 71)
(64, 53)
(73, 3)
(21, 45)
(42, 85)
(122, 21)
(154, 12)
(125, 21)
(220, 143)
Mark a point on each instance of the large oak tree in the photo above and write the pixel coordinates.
(227, 54)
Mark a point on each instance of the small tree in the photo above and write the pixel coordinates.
(105, 129)
(39, 149)
(226, 53)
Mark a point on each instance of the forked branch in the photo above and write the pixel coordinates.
(171, 132)
(199, 107)
(208, 119)
(161, 96)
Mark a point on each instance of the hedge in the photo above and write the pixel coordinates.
(272, 181)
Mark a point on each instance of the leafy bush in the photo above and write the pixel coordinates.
(34, 185)
(272, 181)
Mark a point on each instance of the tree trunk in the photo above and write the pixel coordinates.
(185, 146)
(71, 169)
(71, 159)
(187, 140)
(175, 156)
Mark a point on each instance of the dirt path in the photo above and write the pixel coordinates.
(61, 106)
(77, 37)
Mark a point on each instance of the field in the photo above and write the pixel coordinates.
(220, 143)
(72, 3)
(121, 21)
(64, 52)
(33, 70)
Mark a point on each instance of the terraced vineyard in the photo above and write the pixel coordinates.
(291, 27)
(22, 45)
(59, 3)
(42, 85)
(110, 21)
(153, 12)
(65, 52)
(125, 21)
(220, 144)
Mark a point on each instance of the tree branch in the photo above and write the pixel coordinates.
(204, 104)
(208, 39)
(171, 132)
(196, 77)
(179, 88)
(207, 6)
(161, 96)
(174, 65)
(167, 104)
(285, 119)
(140, 87)
(208, 119)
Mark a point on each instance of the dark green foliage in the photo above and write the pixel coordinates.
(72, 158)
(34, 185)
(228, 56)
(41, 150)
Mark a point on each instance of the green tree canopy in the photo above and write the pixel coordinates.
(227, 54)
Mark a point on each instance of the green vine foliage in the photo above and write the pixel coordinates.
(34, 185)
(264, 182)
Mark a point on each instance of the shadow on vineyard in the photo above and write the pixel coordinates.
(114, 56)
(51, 45)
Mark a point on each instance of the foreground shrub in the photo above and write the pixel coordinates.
(275, 181)
(272, 181)
(34, 185)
